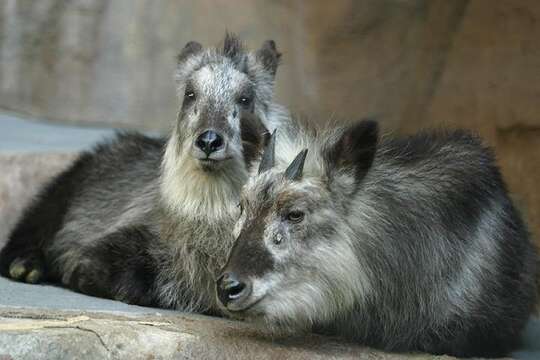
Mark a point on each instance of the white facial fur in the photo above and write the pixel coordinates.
(184, 182)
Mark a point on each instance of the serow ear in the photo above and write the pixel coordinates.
(190, 49)
(354, 150)
(296, 168)
(268, 56)
(267, 160)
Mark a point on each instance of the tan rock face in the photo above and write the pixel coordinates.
(491, 83)
(518, 148)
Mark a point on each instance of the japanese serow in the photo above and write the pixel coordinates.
(404, 244)
(149, 221)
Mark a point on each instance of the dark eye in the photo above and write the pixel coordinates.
(189, 95)
(244, 100)
(241, 207)
(295, 216)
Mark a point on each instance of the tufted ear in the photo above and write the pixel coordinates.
(353, 151)
(268, 56)
(190, 49)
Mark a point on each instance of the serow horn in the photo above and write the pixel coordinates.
(267, 160)
(294, 171)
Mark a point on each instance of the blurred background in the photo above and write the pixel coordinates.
(411, 63)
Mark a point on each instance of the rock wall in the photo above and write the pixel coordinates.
(411, 63)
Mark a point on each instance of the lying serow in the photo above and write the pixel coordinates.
(407, 244)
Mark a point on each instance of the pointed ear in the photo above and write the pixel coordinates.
(268, 56)
(353, 151)
(190, 49)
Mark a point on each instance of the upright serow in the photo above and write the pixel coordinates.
(148, 220)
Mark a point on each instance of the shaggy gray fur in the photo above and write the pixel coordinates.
(408, 244)
(149, 221)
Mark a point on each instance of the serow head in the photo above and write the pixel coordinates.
(225, 93)
(293, 263)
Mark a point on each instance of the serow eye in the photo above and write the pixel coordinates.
(189, 95)
(244, 101)
(295, 216)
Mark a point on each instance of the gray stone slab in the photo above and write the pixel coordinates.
(18, 134)
(19, 295)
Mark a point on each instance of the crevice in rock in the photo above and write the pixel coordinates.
(83, 329)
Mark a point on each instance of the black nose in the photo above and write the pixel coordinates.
(209, 142)
(231, 289)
